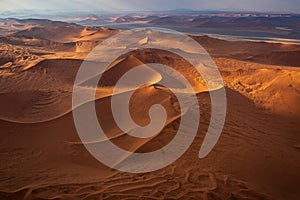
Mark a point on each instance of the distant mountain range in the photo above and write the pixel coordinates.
(273, 25)
(216, 20)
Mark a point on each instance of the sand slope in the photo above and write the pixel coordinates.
(244, 163)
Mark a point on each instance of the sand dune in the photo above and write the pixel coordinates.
(48, 94)
(44, 91)
(275, 89)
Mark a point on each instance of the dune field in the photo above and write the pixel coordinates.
(42, 156)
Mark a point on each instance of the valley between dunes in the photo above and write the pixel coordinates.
(42, 157)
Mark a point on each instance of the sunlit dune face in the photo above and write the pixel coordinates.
(140, 104)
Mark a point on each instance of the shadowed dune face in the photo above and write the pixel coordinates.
(42, 157)
(256, 52)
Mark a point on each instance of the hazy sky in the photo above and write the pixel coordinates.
(153, 5)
